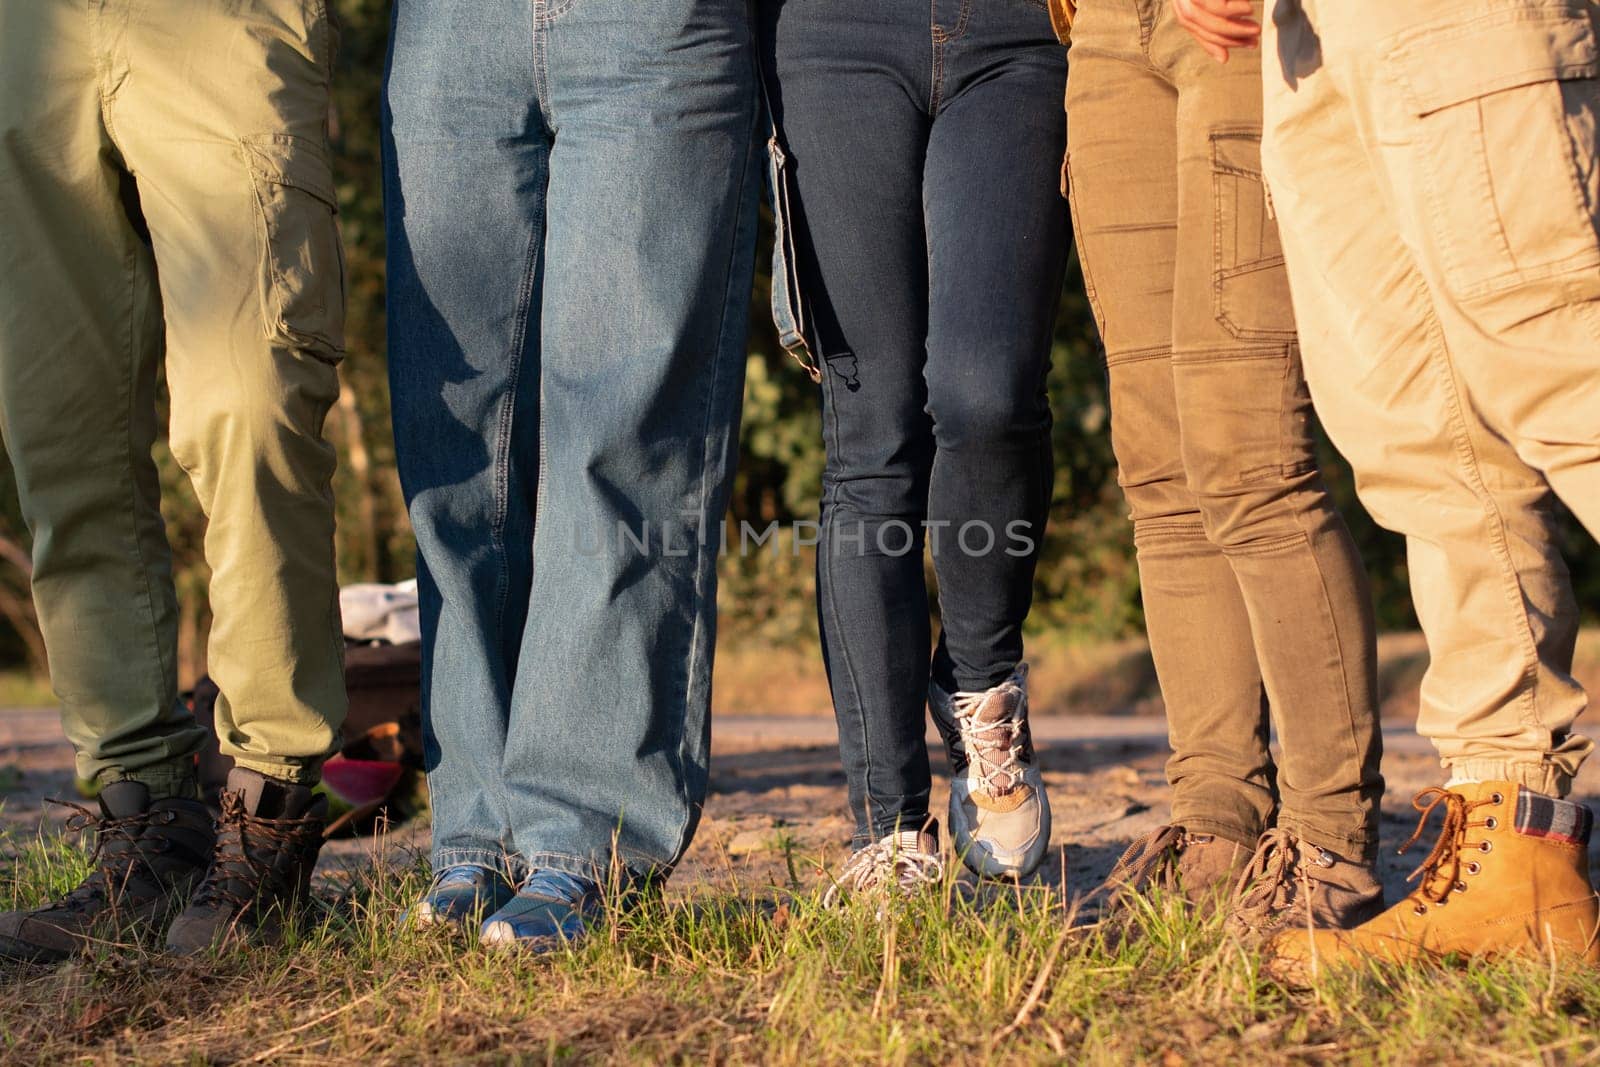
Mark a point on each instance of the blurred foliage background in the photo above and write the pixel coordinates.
(1087, 585)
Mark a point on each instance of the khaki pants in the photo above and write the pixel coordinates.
(164, 177)
(1254, 594)
(1436, 173)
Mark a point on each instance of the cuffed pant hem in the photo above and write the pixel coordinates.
(1226, 830)
(300, 772)
(165, 781)
(490, 859)
(1360, 847)
(1540, 777)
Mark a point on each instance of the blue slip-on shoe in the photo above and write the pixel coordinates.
(552, 910)
(459, 895)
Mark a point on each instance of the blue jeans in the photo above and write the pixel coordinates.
(571, 195)
(931, 237)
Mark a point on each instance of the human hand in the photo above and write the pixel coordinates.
(1219, 25)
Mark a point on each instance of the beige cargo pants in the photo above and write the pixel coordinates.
(1435, 167)
(165, 189)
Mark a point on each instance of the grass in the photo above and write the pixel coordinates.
(20, 688)
(762, 974)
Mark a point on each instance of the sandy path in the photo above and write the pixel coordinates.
(776, 782)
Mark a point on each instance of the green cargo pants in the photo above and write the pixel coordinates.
(165, 189)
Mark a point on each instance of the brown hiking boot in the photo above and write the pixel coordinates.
(148, 858)
(268, 837)
(1509, 874)
(1199, 867)
(1292, 884)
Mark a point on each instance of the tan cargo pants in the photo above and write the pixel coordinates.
(165, 184)
(1435, 166)
(1255, 596)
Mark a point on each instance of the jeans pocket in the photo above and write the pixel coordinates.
(1500, 118)
(788, 302)
(302, 268)
(1249, 283)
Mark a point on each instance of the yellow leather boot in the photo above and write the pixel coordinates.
(1509, 874)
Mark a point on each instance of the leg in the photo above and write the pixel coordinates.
(1512, 865)
(80, 332)
(997, 238)
(465, 140)
(1249, 454)
(237, 188)
(1499, 191)
(1125, 206)
(1490, 588)
(857, 133)
(651, 216)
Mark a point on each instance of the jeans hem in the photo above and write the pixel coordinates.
(630, 872)
(490, 859)
(903, 821)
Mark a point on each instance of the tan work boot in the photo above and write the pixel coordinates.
(1200, 867)
(1292, 884)
(1509, 874)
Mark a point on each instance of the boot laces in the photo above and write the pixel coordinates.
(238, 878)
(1268, 883)
(114, 868)
(1153, 856)
(887, 863)
(1444, 859)
(996, 749)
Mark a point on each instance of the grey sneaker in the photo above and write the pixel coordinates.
(1199, 867)
(148, 858)
(900, 865)
(268, 837)
(1292, 884)
(999, 814)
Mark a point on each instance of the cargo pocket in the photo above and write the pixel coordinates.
(1249, 284)
(302, 278)
(788, 303)
(1501, 109)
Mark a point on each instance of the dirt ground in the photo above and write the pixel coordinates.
(778, 798)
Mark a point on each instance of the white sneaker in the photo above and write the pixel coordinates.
(899, 864)
(999, 814)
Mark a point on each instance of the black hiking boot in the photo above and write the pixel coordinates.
(268, 837)
(148, 858)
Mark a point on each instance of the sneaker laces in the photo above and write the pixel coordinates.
(995, 748)
(1151, 856)
(1446, 852)
(898, 860)
(237, 877)
(1266, 887)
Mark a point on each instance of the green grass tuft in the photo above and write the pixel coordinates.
(763, 974)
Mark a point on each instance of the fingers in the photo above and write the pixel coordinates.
(1219, 25)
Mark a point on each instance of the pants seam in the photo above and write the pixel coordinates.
(1439, 358)
(719, 359)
